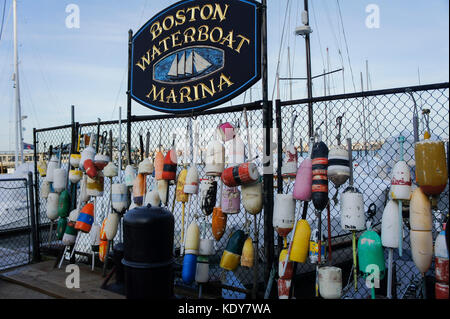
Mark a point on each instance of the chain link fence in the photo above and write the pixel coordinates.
(373, 120)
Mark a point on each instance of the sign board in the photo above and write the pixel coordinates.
(195, 55)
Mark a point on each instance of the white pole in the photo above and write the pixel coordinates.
(18, 126)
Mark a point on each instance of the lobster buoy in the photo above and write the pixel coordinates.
(401, 181)
(70, 234)
(61, 228)
(226, 131)
(130, 175)
(283, 214)
(63, 204)
(208, 193)
(319, 188)
(202, 272)
(206, 247)
(75, 160)
(303, 181)
(231, 200)
(219, 223)
(163, 186)
(59, 180)
(389, 225)
(119, 195)
(86, 218)
(422, 249)
(232, 253)
(352, 210)
(314, 247)
(73, 216)
(420, 211)
(84, 197)
(95, 186)
(289, 168)
(431, 166)
(330, 282)
(300, 242)
(94, 235)
(192, 239)
(281, 264)
(252, 198)
(215, 159)
(42, 168)
(45, 189)
(52, 206)
(284, 286)
(370, 253)
(192, 181)
(111, 170)
(441, 266)
(248, 254)
(152, 198)
(111, 225)
(100, 161)
(189, 268)
(170, 165)
(338, 165)
(139, 189)
(102, 250)
(246, 173)
(102, 230)
(235, 151)
(75, 175)
(87, 154)
(52, 165)
(90, 168)
(146, 166)
(159, 165)
(180, 195)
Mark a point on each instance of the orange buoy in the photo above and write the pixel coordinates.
(139, 189)
(159, 164)
(219, 223)
(85, 218)
(242, 174)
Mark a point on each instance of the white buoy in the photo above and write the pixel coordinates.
(119, 195)
(422, 249)
(401, 181)
(94, 234)
(252, 198)
(163, 186)
(352, 211)
(45, 189)
(146, 166)
(202, 271)
(59, 180)
(52, 165)
(111, 225)
(75, 160)
(389, 225)
(283, 214)
(192, 181)
(152, 197)
(84, 197)
(87, 153)
(52, 206)
(235, 151)
(330, 282)
(130, 175)
(110, 170)
(338, 165)
(215, 159)
(75, 175)
(206, 247)
(420, 211)
(73, 216)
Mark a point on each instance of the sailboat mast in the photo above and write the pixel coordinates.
(308, 73)
(18, 125)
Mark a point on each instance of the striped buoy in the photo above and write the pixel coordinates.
(75, 175)
(119, 194)
(246, 173)
(219, 223)
(192, 181)
(231, 200)
(52, 206)
(215, 159)
(401, 181)
(75, 160)
(208, 193)
(139, 189)
(170, 165)
(283, 214)
(319, 158)
(87, 154)
(86, 218)
(70, 234)
(232, 254)
(252, 198)
(338, 165)
(95, 186)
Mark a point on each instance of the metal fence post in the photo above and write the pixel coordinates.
(36, 191)
(35, 240)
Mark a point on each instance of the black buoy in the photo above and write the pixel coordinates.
(148, 253)
(319, 157)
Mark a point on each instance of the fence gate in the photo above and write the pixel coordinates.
(16, 231)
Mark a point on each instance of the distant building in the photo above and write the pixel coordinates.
(7, 160)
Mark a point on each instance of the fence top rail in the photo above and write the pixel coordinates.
(406, 89)
(14, 180)
(253, 106)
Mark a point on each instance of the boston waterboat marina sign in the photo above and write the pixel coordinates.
(196, 54)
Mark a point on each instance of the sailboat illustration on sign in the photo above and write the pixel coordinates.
(187, 67)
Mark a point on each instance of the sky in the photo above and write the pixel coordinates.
(87, 66)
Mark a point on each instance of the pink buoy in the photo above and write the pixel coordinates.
(303, 181)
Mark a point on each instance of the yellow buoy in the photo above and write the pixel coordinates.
(422, 249)
(248, 253)
(181, 196)
(420, 211)
(192, 239)
(300, 243)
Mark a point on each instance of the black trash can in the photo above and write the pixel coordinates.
(148, 260)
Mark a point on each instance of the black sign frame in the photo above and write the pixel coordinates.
(136, 88)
